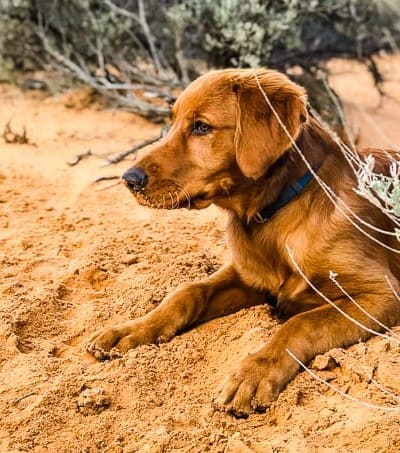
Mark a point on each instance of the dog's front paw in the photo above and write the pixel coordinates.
(102, 342)
(115, 341)
(252, 387)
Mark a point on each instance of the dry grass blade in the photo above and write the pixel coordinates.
(337, 390)
(330, 302)
(341, 206)
(377, 384)
(332, 277)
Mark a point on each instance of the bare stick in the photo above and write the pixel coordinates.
(392, 288)
(131, 102)
(79, 157)
(105, 178)
(110, 185)
(134, 149)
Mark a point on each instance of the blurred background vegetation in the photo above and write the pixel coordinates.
(137, 52)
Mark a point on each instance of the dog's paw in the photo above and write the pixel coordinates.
(112, 342)
(102, 342)
(252, 387)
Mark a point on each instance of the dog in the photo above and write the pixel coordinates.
(243, 140)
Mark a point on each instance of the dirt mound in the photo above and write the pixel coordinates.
(75, 258)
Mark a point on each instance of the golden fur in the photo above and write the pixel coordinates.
(225, 146)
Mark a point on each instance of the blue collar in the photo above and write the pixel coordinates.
(284, 198)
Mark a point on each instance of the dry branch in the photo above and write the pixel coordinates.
(133, 150)
(128, 101)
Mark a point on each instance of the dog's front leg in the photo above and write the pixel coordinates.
(258, 379)
(190, 304)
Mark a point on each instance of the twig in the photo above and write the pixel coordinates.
(397, 296)
(149, 37)
(376, 75)
(105, 178)
(18, 400)
(134, 149)
(122, 11)
(79, 157)
(179, 53)
(110, 185)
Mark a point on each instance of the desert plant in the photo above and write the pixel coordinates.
(120, 47)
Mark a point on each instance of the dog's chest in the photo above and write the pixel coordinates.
(258, 258)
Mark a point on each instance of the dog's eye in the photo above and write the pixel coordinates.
(200, 128)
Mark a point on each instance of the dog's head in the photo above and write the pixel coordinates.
(224, 131)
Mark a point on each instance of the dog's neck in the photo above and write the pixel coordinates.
(253, 197)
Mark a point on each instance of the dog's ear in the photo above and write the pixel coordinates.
(260, 139)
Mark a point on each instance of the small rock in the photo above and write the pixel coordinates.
(92, 401)
(130, 259)
(324, 362)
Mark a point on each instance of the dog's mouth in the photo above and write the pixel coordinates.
(167, 194)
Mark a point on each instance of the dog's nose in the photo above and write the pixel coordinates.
(135, 178)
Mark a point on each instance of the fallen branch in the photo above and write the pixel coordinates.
(120, 157)
(129, 101)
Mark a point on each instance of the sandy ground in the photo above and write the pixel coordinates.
(75, 258)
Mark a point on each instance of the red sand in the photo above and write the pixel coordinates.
(75, 258)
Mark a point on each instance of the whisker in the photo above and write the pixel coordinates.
(172, 200)
(185, 192)
(177, 199)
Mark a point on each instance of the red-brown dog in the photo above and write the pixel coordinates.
(227, 146)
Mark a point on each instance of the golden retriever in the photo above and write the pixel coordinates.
(230, 144)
